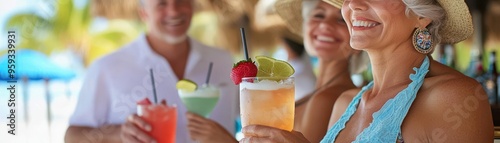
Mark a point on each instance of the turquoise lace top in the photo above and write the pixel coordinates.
(386, 124)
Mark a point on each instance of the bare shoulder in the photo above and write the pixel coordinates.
(345, 99)
(326, 99)
(453, 86)
(454, 106)
(341, 105)
(446, 85)
(347, 96)
(333, 92)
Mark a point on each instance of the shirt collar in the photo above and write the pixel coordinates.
(150, 56)
(195, 54)
(147, 53)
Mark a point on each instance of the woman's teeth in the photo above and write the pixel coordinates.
(325, 39)
(359, 23)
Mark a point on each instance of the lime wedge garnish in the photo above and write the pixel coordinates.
(270, 67)
(186, 85)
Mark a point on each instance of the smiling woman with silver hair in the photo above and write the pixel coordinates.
(412, 97)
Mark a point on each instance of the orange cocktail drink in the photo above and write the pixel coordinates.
(268, 101)
(162, 119)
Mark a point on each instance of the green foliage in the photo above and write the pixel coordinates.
(69, 27)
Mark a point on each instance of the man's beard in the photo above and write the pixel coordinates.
(173, 39)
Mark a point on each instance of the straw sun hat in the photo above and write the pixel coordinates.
(292, 11)
(266, 19)
(455, 28)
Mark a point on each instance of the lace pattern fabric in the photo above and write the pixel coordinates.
(386, 124)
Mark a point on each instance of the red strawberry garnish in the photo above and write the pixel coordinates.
(244, 68)
(144, 101)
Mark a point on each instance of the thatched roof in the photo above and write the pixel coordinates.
(231, 15)
(115, 9)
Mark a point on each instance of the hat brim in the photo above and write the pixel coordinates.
(291, 12)
(458, 23)
(335, 3)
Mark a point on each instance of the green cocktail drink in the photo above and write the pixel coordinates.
(201, 101)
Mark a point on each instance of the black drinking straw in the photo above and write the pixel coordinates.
(244, 40)
(209, 72)
(153, 83)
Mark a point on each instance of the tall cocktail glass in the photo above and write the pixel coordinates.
(268, 101)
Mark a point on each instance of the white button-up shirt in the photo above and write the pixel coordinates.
(115, 83)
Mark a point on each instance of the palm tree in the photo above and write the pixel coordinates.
(70, 28)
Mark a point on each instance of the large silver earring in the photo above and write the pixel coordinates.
(422, 40)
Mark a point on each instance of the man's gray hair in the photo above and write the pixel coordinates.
(429, 9)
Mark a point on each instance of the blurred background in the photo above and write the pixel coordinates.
(58, 39)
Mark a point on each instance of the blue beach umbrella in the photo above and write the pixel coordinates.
(33, 65)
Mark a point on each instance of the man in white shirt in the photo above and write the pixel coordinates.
(106, 109)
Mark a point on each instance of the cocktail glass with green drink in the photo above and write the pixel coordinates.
(200, 100)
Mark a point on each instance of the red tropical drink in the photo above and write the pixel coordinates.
(163, 120)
